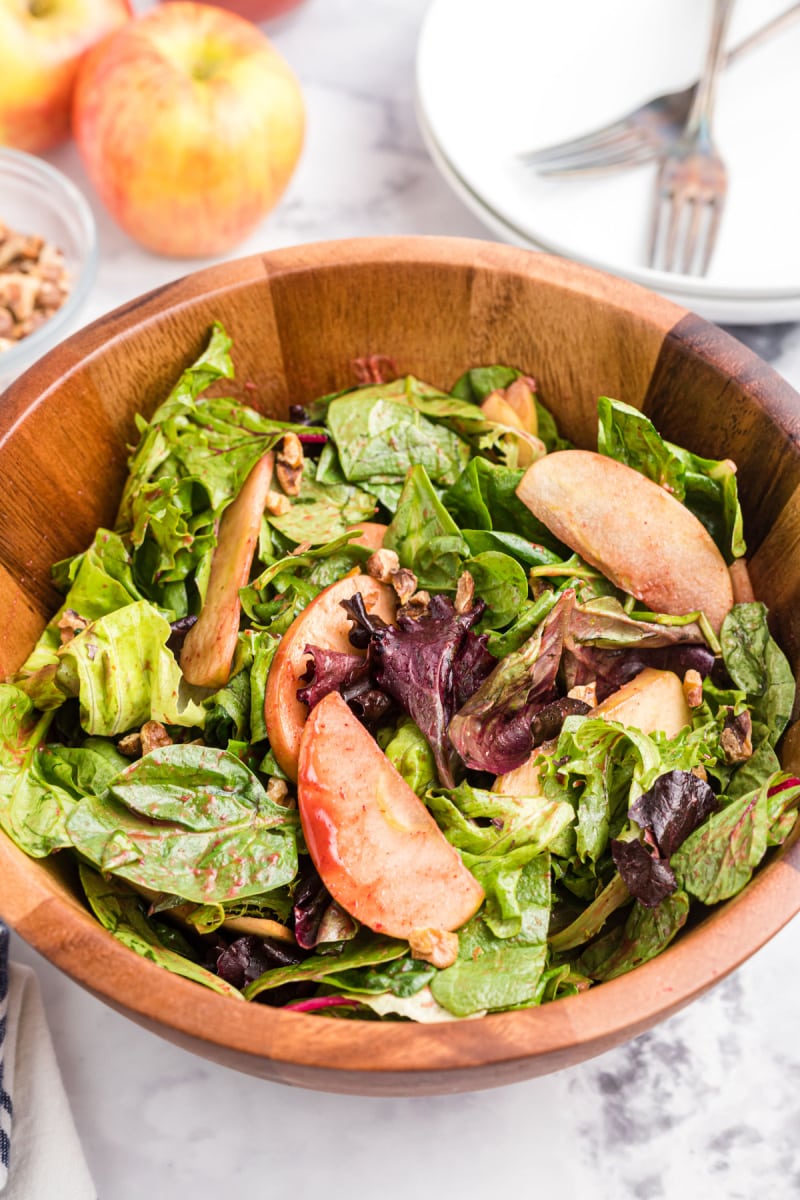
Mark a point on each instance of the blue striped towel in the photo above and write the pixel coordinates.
(5, 1099)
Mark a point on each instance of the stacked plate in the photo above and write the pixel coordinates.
(496, 79)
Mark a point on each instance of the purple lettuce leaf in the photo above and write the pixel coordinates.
(418, 662)
(348, 674)
(249, 957)
(672, 809)
(493, 730)
(317, 916)
(647, 877)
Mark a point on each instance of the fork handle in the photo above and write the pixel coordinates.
(699, 120)
(782, 21)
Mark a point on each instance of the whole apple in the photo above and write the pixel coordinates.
(41, 45)
(189, 124)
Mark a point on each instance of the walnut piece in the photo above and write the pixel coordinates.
(154, 735)
(435, 946)
(404, 583)
(278, 791)
(34, 282)
(277, 504)
(130, 745)
(587, 692)
(383, 565)
(465, 592)
(289, 463)
(735, 738)
(693, 687)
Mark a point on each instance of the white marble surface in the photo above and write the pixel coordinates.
(704, 1106)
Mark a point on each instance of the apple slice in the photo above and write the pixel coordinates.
(378, 850)
(496, 408)
(651, 701)
(642, 538)
(322, 623)
(370, 534)
(210, 644)
(520, 397)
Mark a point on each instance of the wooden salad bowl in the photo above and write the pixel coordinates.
(435, 306)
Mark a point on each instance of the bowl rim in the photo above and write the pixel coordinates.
(27, 350)
(69, 936)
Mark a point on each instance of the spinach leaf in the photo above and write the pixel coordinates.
(758, 666)
(190, 820)
(484, 497)
(645, 934)
(381, 439)
(706, 487)
(120, 911)
(501, 583)
(123, 673)
(324, 511)
(718, 859)
(529, 554)
(365, 950)
(402, 977)
(409, 751)
(236, 711)
(424, 535)
(530, 616)
(83, 770)
(33, 808)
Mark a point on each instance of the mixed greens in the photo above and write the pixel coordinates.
(594, 837)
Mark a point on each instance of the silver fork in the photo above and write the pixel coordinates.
(692, 180)
(642, 134)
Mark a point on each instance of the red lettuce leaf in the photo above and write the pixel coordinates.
(647, 877)
(672, 808)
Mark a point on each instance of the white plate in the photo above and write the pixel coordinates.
(494, 80)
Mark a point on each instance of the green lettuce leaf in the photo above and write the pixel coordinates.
(120, 669)
(34, 808)
(192, 821)
(409, 751)
(758, 666)
(706, 487)
(493, 824)
(120, 911)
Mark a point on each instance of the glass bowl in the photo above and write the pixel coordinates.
(35, 198)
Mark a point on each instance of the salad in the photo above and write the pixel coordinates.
(404, 709)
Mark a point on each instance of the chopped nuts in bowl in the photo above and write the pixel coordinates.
(48, 259)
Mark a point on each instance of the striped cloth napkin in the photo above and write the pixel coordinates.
(40, 1154)
(6, 1107)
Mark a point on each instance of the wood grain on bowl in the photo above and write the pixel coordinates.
(299, 318)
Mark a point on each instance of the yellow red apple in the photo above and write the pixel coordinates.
(378, 850)
(41, 45)
(190, 125)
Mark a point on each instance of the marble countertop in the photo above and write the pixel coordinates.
(705, 1105)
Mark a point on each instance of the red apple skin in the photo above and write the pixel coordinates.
(378, 850)
(190, 125)
(322, 623)
(211, 642)
(39, 58)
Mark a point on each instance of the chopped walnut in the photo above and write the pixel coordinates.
(693, 687)
(435, 946)
(383, 565)
(130, 745)
(34, 283)
(404, 583)
(700, 772)
(417, 606)
(277, 504)
(154, 735)
(587, 692)
(735, 737)
(289, 464)
(70, 623)
(465, 592)
(278, 792)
